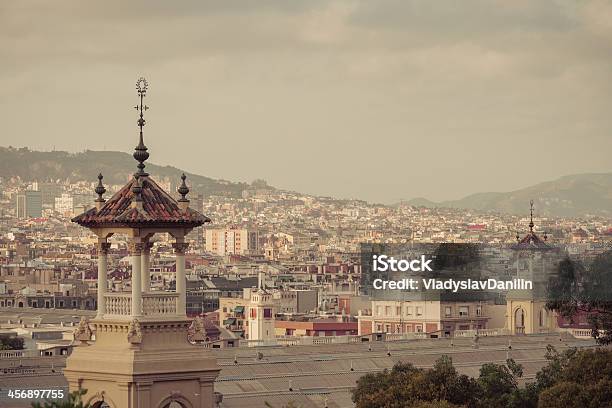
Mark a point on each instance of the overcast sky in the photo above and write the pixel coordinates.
(381, 100)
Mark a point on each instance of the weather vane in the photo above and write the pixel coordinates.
(140, 153)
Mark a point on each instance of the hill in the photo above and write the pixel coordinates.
(569, 196)
(115, 166)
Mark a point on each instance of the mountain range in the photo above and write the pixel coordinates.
(115, 166)
(569, 196)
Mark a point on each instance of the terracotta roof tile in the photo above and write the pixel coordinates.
(158, 207)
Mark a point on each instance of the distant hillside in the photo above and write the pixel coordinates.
(569, 196)
(115, 166)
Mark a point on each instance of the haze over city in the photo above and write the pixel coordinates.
(375, 100)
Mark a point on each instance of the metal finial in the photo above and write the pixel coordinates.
(137, 188)
(183, 190)
(100, 190)
(531, 216)
(140, 153)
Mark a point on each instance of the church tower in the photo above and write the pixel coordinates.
(143, 354)
(261, 315)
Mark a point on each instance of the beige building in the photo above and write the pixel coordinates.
(231, 241)
(433, 317)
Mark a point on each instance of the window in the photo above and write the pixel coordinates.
(464, 310)
(253, 313)
(267, 313)
(479, 310)
(418, 328)
(409, 310)
(448, 311)
(387, 310)
(398, 310)
(419, 310)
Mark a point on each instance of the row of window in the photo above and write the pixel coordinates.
(462, 311)
(398, 311)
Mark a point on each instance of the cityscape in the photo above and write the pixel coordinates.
(321, 229)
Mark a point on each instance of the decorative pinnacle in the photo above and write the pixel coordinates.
(531, 216)
(137, 188)
(183, 190)
(100, 190)
(140, 153)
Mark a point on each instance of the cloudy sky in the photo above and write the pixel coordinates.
(380, 100)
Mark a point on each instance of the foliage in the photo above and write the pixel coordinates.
(578, 289)
(570, 379)
(11, 343)
(74, 401)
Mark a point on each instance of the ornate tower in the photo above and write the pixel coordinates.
(141, 356)
(526, 309)
(261, 315)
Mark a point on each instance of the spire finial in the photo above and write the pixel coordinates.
(140, 153)
(531, 216)
(183, 190)
(100, 190)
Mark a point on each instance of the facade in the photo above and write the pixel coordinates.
(433, 317)
(143, 354)
(28, 204)
(231, 241)
(64, 204)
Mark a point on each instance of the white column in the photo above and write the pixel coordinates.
(146, 273)
(179, 249)
(136, 280)
(103, 247)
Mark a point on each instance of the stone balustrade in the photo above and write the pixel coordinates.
(154, 305)
(161, 304)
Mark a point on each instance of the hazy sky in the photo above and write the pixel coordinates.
(380, 100)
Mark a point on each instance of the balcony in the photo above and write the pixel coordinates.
(157, 305)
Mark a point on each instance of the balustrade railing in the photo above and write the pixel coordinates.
(154, 305)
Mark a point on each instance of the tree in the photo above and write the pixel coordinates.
(11, 343)
(577, 289)
(499, 383)
(74, 401)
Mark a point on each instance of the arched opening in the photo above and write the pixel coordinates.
(20, 304)
(519, 321)
(542, 317)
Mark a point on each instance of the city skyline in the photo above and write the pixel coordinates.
(299, 94)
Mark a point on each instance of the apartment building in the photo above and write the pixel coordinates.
(231, 241)
(435, 317)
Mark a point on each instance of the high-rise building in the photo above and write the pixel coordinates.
(28, 204)
(231, 241)
(64, 204)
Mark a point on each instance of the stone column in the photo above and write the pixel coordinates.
(179, 249)
(103, 248)
(146, 273)
(136, 252)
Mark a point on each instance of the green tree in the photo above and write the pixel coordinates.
(11, 343)
(577, 289)
(74, 401)
(499, 383)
